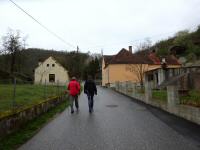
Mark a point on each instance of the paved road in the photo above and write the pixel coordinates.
(118, 123)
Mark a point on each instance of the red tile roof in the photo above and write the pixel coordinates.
(126, 57)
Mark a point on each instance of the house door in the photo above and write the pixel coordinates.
(52, 78)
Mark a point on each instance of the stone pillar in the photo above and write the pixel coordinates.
(133, 85)
(148, 90)
(120, 86)
(117, 86)
(123, 87)
(172, 96)
(127, 87)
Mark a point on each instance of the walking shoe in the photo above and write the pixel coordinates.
(72, 111)
(90, 110)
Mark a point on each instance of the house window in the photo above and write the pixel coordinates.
(51, 77)
(53, 65)
(47, 65)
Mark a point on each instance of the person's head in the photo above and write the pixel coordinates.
(89, 77)
(73, 78)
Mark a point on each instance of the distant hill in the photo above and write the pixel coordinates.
(184, 45)
(27, 61)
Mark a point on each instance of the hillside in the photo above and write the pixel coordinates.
(184, 45)
(28, 59)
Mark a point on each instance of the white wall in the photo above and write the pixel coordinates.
(42, 73)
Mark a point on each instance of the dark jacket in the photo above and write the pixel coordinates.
(90, 87)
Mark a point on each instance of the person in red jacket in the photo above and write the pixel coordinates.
(74, 90)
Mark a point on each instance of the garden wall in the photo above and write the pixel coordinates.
(14, 121)
(172, 105)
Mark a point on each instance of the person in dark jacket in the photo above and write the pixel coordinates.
(90, 89)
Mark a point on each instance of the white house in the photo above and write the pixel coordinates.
(51, 72)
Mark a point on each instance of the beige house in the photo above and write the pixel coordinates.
(49, 72)
(126, 66)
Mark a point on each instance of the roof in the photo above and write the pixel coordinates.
(126, 57)
(123, 57)
(171, 60)
(56, 60)
(107, 58)
(172, 81)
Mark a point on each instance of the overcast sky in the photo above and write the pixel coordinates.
(98, 24)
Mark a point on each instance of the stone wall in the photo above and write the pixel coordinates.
(196, 81)
(14, 121)
(172, 105)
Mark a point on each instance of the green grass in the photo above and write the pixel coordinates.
(14, 140)
(192, 99)
(160, 95)
(26, 95)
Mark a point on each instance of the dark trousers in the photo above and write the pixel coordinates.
(90, 101)
(73, 99)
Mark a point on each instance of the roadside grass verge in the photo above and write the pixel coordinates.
(26, 95)
(19, 137)
(193, 99)
(159, 95)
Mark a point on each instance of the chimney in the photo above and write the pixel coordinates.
(163, 60)
(130, 49)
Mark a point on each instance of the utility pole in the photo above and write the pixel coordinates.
(77, 49)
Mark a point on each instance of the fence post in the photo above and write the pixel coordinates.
(58, 88)
(126, 89)
(45, 84)
(133, 89)
(148, 90)
(172, 96)
(14, 94)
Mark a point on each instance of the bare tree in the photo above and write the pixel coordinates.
(12, 45)
(144, 45)
(138, 70)
(141, 67)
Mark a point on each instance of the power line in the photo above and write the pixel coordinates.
(43, 26)
(131, 41)
(136, 40)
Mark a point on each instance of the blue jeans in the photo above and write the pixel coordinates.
(90, 101)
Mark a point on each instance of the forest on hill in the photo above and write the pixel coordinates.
(14, 59)
(187, 45)
(78, 64)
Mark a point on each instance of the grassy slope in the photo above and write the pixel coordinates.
(26, 95)
(192, 99)
(19, 137)
(160, 95)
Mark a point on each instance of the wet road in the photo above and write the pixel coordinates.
(118, 123)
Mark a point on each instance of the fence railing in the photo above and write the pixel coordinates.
(171, 95)
(129, 88)
(17, 94)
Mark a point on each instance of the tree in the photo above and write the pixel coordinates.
(182, 38)
(12, 46)
(93, 68)
(144, 45)
(138, 70)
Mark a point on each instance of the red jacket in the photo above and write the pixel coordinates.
(73, 87)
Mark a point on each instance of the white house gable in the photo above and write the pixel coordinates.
(51, 72)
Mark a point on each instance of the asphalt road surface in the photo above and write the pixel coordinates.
(117, 123)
